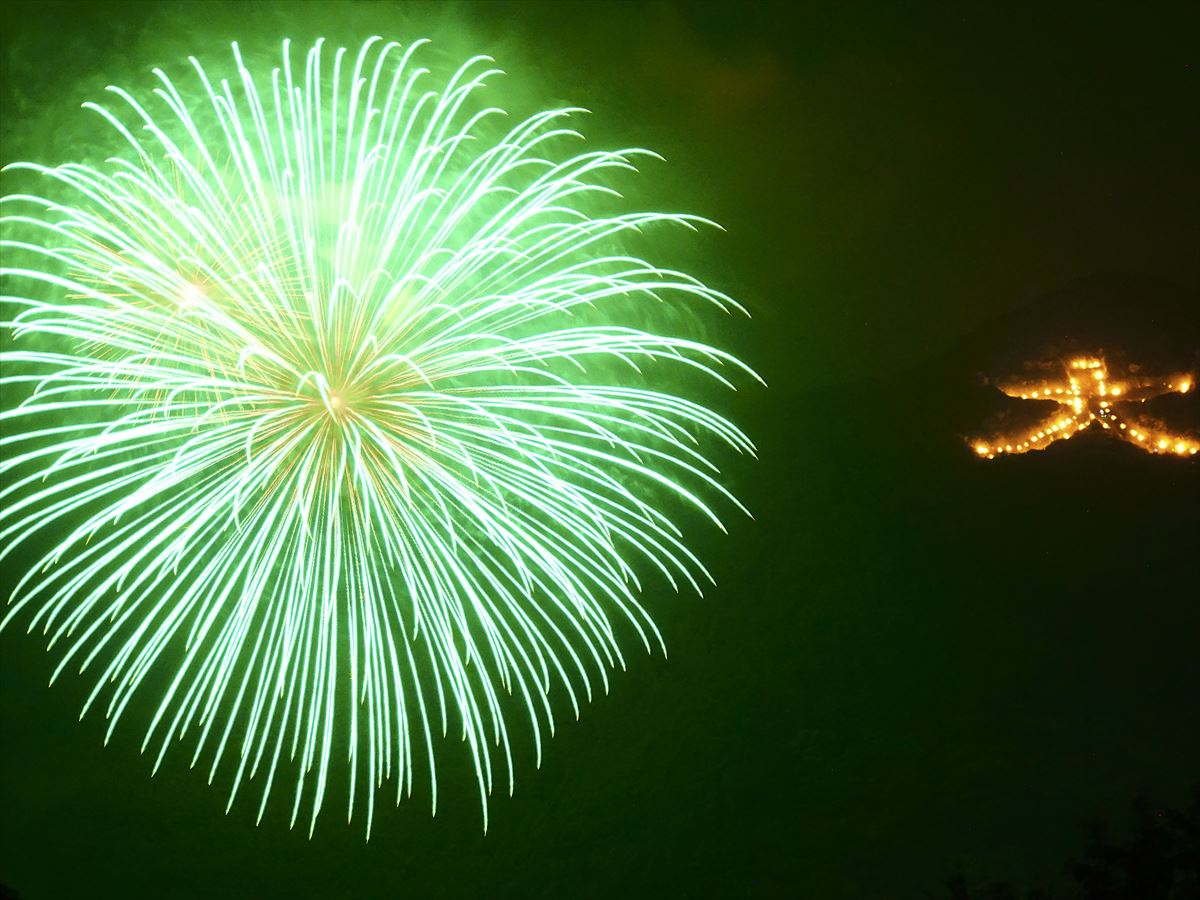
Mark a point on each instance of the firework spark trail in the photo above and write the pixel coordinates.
(330, 452)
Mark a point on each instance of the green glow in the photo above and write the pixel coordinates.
(331, 426)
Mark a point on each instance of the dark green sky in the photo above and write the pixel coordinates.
(913, 664)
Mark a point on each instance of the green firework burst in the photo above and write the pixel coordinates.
(332, 433)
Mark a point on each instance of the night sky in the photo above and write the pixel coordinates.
(915, 663)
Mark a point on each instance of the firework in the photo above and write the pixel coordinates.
(329, 427)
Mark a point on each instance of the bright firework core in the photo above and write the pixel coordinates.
(1090, 396)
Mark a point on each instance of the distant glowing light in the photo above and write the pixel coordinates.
(1078, 399)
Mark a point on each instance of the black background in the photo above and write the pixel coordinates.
(914, 663)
